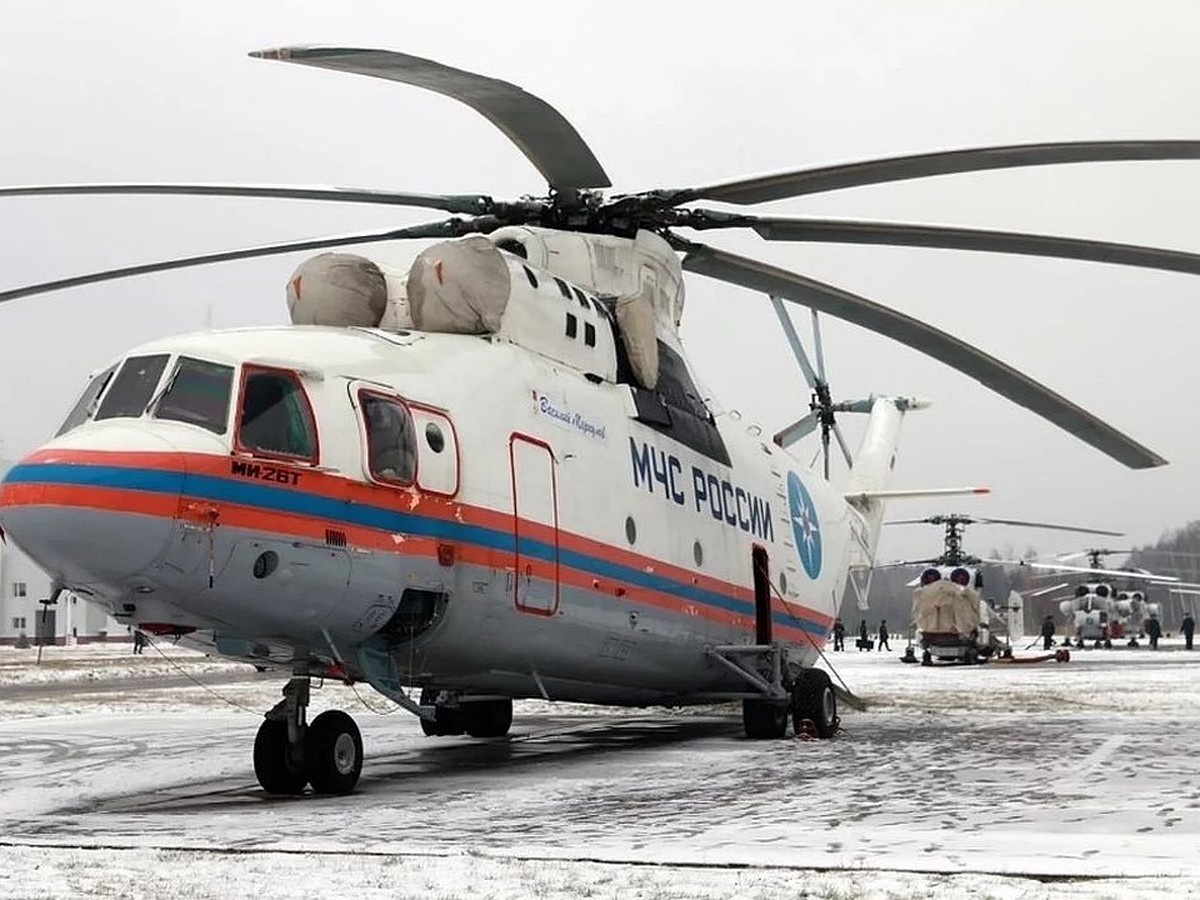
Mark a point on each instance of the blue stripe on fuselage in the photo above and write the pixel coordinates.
(292, 500)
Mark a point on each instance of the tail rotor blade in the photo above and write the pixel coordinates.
(841, 439)
(793, 340)
(820, 351)
(799, 429)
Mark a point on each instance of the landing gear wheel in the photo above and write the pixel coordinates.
(927, 658)
(333, 753)
(486, 718)
(448, 720)
(1107, 643)
(277, 767)
(763, 719)
(970, 656)
(813, 698)
(1062, 655)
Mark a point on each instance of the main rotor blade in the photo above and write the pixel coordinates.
(448, 228)
(907, 562)
(895, 234)
(1063, 557)
(901, 168)
(949, 349)
(468, 204)
(1049, 590)
(547, 139)
(989, 521)
(1111, 573)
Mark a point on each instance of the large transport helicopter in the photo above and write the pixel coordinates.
(952, 618)
(491, 474)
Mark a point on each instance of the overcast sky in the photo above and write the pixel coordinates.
(666, 95)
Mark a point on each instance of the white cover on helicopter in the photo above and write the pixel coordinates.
(944, 607)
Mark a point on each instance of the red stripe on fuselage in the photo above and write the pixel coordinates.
(404, 500)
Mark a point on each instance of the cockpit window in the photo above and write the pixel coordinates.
(133, 387)
(275, 416)
(86, 405)
(391, 439)
(198, 393)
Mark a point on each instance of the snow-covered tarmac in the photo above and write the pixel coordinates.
(121, 777)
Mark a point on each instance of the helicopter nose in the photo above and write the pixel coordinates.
(91, 514)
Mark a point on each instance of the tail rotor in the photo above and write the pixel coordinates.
(822, 409)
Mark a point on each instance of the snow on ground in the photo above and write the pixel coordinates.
(133, 781)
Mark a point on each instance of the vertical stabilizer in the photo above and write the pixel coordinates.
(872, 470)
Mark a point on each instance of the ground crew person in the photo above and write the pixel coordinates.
(1047, 632)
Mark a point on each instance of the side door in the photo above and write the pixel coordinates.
(535, 525)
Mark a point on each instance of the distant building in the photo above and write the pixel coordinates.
(23, 617)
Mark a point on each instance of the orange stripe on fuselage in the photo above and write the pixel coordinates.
(404, 500)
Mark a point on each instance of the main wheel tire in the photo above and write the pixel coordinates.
(813, 698)
(448, 720)
(333, 753)
(276, 766)
(764, 720)
(486, 718)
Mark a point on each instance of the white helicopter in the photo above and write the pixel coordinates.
(491, 475)
(950, 613)
(1099, 611)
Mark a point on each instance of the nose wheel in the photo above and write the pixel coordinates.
(290, 753)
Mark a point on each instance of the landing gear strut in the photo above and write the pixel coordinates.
(290, 753)
(808, 698)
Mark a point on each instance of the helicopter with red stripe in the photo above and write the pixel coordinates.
(490, 471)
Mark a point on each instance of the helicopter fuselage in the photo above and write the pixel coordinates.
(543, 543)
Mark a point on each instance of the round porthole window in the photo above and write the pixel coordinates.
(434, 438)
(630, 530)
(698, 553)
(265, 564)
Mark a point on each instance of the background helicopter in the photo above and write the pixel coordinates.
(572, 207)
(1111, 603)
(953, 618)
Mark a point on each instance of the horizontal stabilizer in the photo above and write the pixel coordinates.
(866, 496)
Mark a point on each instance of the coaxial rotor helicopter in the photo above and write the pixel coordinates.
(491, 475)
(1111, 603)
(952, 618)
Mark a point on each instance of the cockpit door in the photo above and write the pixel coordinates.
(535, 525)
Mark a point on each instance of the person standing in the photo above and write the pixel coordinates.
(839, 635)
(1153, 631)
(1047, 632)
(883, 636)
(864, 636)
(1189, 629)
